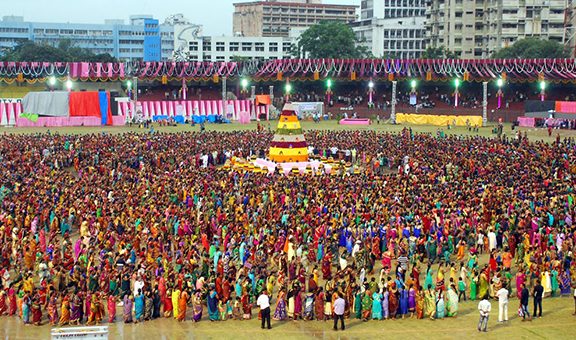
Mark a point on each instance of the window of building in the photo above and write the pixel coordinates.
(66, 32)
(220, 46)
(458, 14)
(246, 47)
(220, 58)
(206, 47)
(259, 47)
(234, 46)
(81, 32)
(193, 46)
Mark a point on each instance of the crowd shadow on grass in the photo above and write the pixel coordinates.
(279, 323)
(352, 323)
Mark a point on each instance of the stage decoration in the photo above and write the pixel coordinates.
(516, 70)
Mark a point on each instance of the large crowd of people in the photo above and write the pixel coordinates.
(159, 226)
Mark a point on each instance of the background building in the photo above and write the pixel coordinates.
(275, 18)
(218, 48)
(191, 45)
(478, 28)
(392, 27)
(143, 39)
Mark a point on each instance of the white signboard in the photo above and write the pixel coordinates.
(82, 333)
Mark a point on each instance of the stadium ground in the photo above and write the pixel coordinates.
(533, 133)
(557, 323)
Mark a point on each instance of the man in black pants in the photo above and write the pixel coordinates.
(538, 291)
(264, 303)
(339, 306)
(524, 296)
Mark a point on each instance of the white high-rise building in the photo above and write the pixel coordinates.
(392, 28)
(478, 28)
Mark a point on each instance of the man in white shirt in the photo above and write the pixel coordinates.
(339, 306)
(264, 303)
(491, 240)
(502, 295)
(484, 308)
(138, 284)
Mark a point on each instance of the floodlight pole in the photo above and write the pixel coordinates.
(135, 90)
(485, 103)
(271, 90)
(252, 107)
(135, 96)
(393, 110)
(224, 79)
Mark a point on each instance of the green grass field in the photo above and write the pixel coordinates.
(534, 134)
(557, 323)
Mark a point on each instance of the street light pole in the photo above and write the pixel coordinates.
(393, 110)
(135, 96)
(485, 103)
(252, 102)
(271, 91)
(224, 79)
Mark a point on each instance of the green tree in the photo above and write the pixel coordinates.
(65, 51)
(29, 51)
(329, 39)
(238, 59)
(390, 55)
(532, 48)
(438, 53)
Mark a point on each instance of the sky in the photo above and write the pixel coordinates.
(214, 15)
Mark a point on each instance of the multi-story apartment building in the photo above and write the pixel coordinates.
(273, 18)
(478, 28)
(392, 27)
(144, 38)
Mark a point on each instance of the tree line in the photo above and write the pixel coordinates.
(65, 51)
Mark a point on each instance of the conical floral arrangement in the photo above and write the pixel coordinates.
(288, 144)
